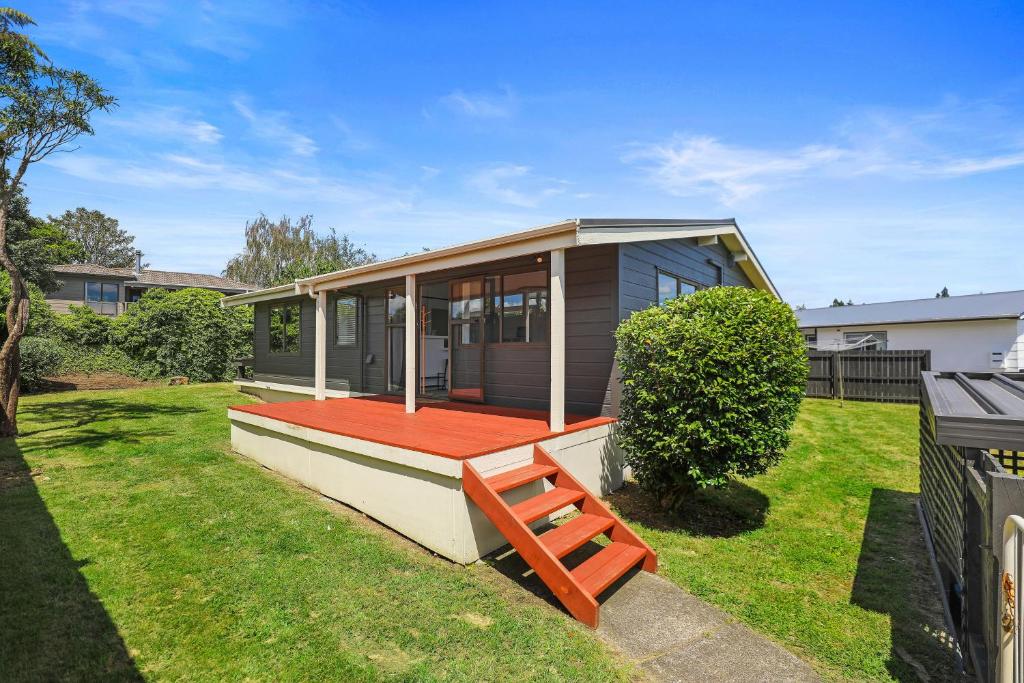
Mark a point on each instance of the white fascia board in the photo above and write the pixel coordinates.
(425, 261)
(618, 234)
(269, 294)
(537, 245)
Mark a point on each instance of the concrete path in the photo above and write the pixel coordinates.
(674, 636)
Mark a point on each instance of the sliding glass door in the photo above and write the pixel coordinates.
(466, 339)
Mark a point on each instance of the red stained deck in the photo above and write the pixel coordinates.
(450, 430)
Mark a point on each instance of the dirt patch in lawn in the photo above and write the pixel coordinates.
(96, 380)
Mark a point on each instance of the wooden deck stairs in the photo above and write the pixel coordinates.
(577, 588)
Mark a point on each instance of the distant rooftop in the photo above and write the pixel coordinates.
(968, 307)
(157, 278)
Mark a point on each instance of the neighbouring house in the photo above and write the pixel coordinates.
(975, 332)
(109, 291)
(481, 372)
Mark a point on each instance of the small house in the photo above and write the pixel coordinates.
(975, 332)
(463, 396)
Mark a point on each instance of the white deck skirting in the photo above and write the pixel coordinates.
(418, 494)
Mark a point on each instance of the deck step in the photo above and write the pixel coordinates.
(506, 481)
(607, 566)
(563, 539)
(532, 509)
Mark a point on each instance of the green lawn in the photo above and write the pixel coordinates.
(133, 544)
(824, 554)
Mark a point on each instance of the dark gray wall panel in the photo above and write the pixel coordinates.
(640, 261)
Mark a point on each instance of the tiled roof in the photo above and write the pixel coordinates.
(93, 269)
(156, 278)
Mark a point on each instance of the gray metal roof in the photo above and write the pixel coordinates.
(968, 307)
(976, 409)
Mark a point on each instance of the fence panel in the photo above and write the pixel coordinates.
(888, 376)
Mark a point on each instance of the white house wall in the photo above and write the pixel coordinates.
(963, 345)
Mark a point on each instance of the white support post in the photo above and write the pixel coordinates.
(410, 343)
(320, 348)
(556, 300)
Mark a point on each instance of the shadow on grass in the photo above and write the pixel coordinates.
(894, 578)
(719, 513)
(52, 627)
(75, 422)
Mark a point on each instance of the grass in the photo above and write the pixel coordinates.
(824, 553)
(134, 545)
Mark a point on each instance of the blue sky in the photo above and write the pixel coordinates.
(870, 150)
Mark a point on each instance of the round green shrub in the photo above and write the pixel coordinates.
(712, 382)
(41, 357)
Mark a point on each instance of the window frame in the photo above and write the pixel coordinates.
(525, 307)
(102, 285)
(357, 306)
(680, 280)
(298, 336)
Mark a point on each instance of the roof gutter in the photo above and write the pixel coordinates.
(256, 296)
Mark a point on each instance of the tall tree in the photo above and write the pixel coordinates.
(944, 294)
(36, 245)
(279, 252)
(103, 242)
(43, 108)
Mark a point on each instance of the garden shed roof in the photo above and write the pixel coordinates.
(976, 409)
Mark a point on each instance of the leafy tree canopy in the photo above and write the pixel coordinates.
(278, 252)
(839, 302)
(36, 245)
(944, 294)
(102, 242)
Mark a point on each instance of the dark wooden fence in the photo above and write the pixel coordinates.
(889, 376)
(966, 495)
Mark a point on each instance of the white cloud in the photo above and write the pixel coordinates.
(951, 141)
(350, 139)
(184, 172)
(167, 122)
(272, 127)
(482, 105)
(685, 166)
(516, 185)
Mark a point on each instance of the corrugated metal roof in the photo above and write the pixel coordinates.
(156, 278)
(976, 409)
(968, 307)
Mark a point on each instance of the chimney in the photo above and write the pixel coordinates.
(138, 262)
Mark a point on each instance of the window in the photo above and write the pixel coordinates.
(670, 286)
(284, 328)
(524, 307)
(346, 316)
(811, 339)
(105, 292)
(396, 306)
(516, 308)
(102, 297)
(866, 341)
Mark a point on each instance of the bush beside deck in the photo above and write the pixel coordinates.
(824, 553)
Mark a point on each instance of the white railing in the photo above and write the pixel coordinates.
(1011, 645)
